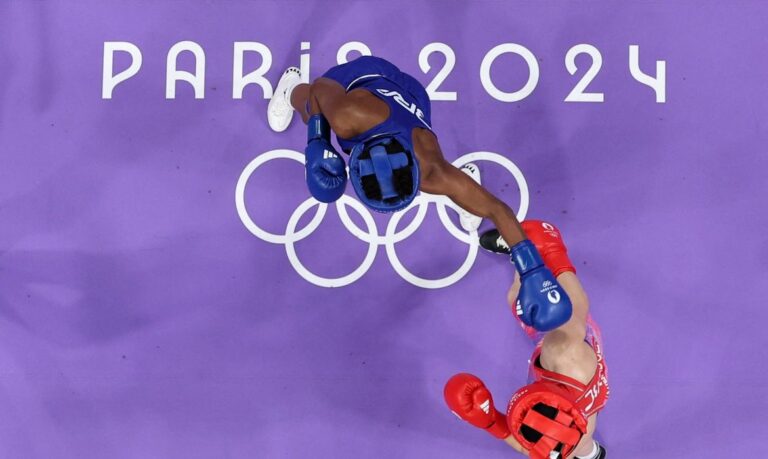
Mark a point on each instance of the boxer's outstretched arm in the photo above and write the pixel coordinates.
(438, 176)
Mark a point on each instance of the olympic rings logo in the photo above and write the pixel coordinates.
(371, 234)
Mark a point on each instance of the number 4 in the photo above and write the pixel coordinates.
(658, 84)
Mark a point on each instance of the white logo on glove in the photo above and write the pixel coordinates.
(553, 295)
(486, 406)
(550, 229)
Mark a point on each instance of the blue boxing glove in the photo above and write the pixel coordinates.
(326, 171)
(542, 303)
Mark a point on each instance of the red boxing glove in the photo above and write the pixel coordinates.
(550, 245)
(471, 401)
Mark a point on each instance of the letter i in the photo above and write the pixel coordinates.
(304, 62)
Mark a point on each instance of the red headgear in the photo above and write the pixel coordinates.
(567, 428)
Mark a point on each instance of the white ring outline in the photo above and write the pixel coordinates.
(290, 249)
(372, 237)
(242, 211)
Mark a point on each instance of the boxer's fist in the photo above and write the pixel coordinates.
(549, 242)
(471, 401)
(326, 172)
(541, 303)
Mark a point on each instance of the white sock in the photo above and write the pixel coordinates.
(593, 454)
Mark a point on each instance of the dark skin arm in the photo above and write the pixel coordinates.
(346, 112)
(441, 177)
(353, 113)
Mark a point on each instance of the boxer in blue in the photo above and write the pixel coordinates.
(382, 118)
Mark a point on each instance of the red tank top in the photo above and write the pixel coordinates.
(590, 397)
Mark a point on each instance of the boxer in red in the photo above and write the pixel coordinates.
(555, 415)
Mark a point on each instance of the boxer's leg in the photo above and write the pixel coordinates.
(279, 110)
(469, 221)
(588, 448)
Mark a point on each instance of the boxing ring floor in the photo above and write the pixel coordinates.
(141, 318)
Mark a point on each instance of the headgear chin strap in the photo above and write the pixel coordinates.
(566, 429)
(384, 172)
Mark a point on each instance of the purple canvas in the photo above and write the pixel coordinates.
(166, 290)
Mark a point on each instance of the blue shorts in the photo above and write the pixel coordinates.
(367, 68)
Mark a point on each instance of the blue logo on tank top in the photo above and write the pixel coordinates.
(397, 97)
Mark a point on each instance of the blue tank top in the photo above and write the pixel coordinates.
(407, 109)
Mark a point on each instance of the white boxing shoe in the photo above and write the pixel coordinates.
(279, 110)
(470, 222)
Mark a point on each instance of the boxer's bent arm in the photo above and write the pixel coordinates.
(516, 445)
(441, 177)
(329, 98)
(576, 327)
(564, 349)
(514, 289)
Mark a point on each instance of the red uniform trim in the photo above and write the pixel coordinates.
(591, 397)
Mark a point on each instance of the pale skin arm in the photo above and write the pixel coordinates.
(564, 349)
(517, 446)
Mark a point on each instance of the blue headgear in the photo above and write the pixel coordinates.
(384, 172)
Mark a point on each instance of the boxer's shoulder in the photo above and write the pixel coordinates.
(563, 354)
(358, 112)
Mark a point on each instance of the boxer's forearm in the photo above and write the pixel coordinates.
(300, 99)
(313, 103)
(319, 97)
(447, 180)
(577, 325)
(508, 225)
(514, 444)
(479, 201)
(514, 289)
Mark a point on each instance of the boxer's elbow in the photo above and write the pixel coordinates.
(342, 121)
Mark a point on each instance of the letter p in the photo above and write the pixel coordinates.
(109, 80)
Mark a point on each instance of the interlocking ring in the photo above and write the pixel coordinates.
(371, 234)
